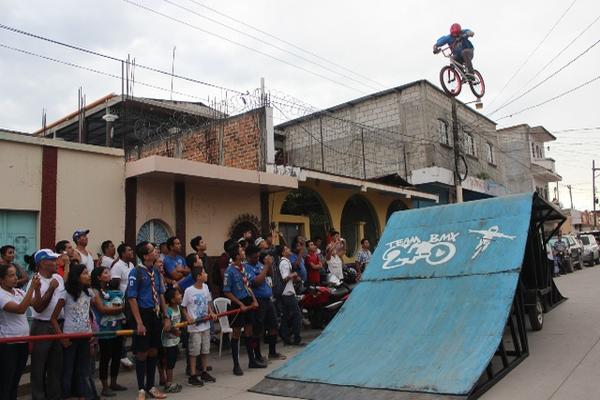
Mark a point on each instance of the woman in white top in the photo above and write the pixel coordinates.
(13, 323)
(76, 353)
(335, 252)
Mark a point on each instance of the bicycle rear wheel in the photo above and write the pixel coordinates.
(450, 80)
(477, 85)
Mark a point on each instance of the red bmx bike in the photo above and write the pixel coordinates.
(454, 75)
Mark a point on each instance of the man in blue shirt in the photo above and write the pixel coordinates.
(258, 269)
(462, 48)
(145, 294)
(236, 288)
(175, 265)
(297, 257)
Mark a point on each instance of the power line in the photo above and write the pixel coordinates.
(166, 16)
(283, 41)
(578, 130)
(551, 99)
(546, 79)
(554, 58)
(533, 52)
(269, 44)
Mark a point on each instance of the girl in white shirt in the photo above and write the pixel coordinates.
(13, 323)
(76, 353)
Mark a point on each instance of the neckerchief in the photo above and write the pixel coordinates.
(242, 271)
(153, 287)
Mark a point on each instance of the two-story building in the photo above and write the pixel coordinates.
(406, 132)
(528, 169)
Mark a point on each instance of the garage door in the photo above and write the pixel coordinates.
(19, 228)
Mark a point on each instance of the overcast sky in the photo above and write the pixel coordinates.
(388, 43)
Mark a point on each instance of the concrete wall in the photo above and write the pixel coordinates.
(20, 168)
(516, 142)
(90, 195)
(155, 200)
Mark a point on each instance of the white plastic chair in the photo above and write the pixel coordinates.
(220, 304)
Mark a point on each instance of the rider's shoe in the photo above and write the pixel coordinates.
(470, 76)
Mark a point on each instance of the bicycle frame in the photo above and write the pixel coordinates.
(447, 52)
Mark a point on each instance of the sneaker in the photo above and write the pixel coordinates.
(206, 377)
(173, 388)
(277, 356)
(141, 395)
(261, 360)
(107, 393)
(126, 362)
(194, 381)
(237, 370)
(155, 393)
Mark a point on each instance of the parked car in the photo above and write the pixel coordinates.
(574, 253)
(591, 250)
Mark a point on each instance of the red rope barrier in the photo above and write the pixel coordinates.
(87, 335)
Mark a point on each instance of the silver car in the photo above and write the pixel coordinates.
(591, 250)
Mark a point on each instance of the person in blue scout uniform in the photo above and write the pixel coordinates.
(258, 269)
(147, 303)
(236, 289)
(175, 265)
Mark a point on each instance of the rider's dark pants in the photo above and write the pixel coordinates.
(466, 57)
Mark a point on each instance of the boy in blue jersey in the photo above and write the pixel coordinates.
(258, 267)
(461, 46)
(236, 288)
(175, 265)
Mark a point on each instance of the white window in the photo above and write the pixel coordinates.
(489, 153)
(443, 132)
(468, 143)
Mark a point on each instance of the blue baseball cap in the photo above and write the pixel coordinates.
(78, 233)
(45, 254)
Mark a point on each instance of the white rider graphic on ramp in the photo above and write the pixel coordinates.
(487, 236)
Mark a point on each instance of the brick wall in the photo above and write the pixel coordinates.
(233, 142)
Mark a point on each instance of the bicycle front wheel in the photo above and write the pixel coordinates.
(477, 85)
(450, 80)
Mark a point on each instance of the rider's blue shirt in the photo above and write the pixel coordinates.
(457, 44)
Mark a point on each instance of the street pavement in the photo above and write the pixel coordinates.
(564, 360)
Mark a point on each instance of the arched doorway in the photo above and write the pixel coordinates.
(358, 211)
(396, 205)
(243, 224)
(154, 231)
(308, 203)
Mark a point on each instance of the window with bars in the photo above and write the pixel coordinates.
(468, 143)
(443, 132)
(489, 153)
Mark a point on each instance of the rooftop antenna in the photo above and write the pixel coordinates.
(173, 70)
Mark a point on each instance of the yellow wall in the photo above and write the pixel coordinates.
(90, 195)
(155, 200)
(335, 198)
(211, 210)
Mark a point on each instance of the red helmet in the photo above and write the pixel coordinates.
(455, 29)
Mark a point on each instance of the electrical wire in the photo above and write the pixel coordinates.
(553, 59)
(551, 99)
(284, 41)
(269, 44)
(532, 53)
(545, 79)
(182, 22)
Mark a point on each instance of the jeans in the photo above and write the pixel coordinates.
(14, 359)
(46, 364)
(76, 369)
(291, 315)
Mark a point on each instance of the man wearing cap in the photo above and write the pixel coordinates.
(46, 356)
(81, 241)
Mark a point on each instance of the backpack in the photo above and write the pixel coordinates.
(129, 318)
(278, 283)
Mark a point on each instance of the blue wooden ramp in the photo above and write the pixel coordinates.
(429, 313)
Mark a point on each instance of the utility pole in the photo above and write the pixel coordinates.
(570, 195)
(456, 139)
(594, 169)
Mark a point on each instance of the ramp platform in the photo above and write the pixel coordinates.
(430, 311)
